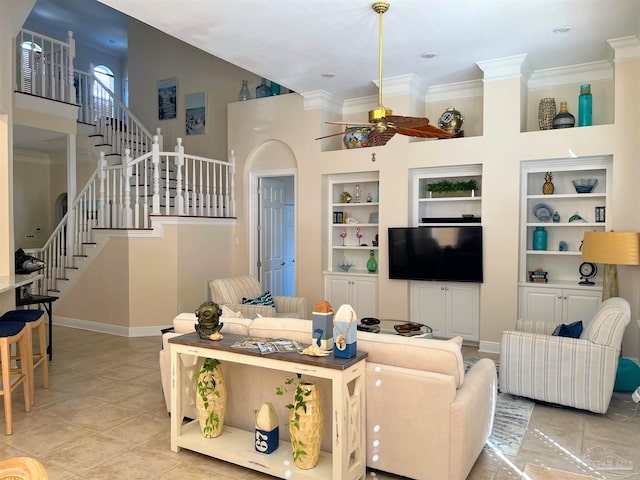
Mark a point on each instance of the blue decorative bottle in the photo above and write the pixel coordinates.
(584, 106)
(540, 238)
(263, 90)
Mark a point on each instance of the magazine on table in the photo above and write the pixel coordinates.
(269, 345)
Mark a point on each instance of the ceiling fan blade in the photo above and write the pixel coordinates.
(403, 121)
(350, 124)
(426, 131)
(330, 135)
(378, 138)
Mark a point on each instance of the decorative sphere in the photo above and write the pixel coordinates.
(356, 137)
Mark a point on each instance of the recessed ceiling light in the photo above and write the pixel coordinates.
(563, 29)
(328, 75)
(429, 55)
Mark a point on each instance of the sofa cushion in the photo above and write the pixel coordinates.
(228, 313)
(186, 323)
(297, 329)
(439, 356)
(264, 299)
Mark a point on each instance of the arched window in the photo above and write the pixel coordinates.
(31, 59)
(103, 103)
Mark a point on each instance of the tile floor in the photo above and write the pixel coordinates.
(104, 417)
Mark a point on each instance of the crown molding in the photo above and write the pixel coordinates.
(403, 85)
(504, 68)
(323, 100)
(625, 48)
(451, 91)
(571, 75)
(31, 156)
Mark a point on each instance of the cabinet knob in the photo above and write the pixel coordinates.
(560, 297)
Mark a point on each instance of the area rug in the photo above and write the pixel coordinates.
(510, 421)
(538, 472)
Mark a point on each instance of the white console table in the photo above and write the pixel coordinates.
(235, 445)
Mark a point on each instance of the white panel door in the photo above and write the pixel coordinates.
(289, 251)
(271, 233)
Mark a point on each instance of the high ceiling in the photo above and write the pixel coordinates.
(295, 42)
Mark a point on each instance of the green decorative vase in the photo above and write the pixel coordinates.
(372, 265)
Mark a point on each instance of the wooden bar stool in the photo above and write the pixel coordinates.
(34, 321)
(14, 333)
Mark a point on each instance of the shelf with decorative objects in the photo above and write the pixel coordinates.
(446, 196)
(353, 222)
(562, 199)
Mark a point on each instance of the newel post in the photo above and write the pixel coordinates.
(71, 55)
(127, 212)
(160, 139)
(102, 174)
(155, 160)
(179, 202)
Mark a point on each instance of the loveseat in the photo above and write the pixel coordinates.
(425, 418)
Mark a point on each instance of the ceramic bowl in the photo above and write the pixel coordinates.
(356, 137)
(584, 185)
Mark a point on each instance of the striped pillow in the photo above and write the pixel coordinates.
(264, 299)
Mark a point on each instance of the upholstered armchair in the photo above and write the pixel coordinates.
(231, 291)
(576, 372)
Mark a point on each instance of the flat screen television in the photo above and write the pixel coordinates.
(445, 253)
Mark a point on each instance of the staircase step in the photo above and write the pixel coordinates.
(62, 278)
(80, 256)
(72, 268)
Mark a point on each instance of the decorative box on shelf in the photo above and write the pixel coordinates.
(538, 276)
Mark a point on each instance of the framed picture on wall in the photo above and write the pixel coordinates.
(195, 113)
(167, 95)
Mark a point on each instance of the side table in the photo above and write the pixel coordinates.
(47, 302)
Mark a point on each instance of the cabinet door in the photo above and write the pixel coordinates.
(541, 304)
(337, 290)
(427, 306)
(462, 310)
(580, 305)
(364, 297)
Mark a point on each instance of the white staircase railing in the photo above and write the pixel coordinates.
(45, 66)
(124, 196)
(114, 122)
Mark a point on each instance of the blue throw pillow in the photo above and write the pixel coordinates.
(572, 330)
(264, 299)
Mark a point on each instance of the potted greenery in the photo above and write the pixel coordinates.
(305, 421)
(444, 188)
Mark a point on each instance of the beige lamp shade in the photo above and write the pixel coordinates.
(614, 248)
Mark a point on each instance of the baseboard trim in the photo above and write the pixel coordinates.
(489, 347)
(109, 329)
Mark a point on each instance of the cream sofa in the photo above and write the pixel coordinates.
(425, 418)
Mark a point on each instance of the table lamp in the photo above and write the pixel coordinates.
(611, 249)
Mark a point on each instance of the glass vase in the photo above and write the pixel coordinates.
(372, 265)
(244, 92)
(564, 119)
(584, 106)
(263, 90)
(540, 238)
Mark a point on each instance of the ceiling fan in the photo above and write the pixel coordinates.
(383, 125)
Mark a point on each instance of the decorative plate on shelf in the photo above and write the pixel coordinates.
(543, 212)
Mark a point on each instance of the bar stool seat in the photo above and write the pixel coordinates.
(14, 333)
(34, 320)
